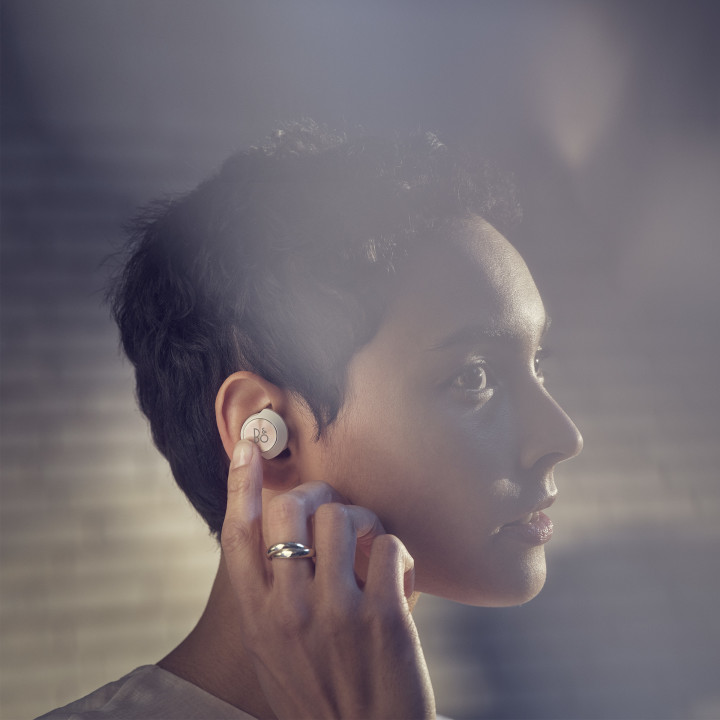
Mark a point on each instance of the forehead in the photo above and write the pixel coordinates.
(472, 279)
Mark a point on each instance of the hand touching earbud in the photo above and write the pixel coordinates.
(268, 431)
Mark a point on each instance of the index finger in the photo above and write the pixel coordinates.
(241, 536)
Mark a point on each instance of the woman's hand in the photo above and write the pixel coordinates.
(323, 646)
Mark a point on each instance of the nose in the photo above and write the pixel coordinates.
(547, 431)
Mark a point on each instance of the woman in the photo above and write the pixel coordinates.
(361, 291)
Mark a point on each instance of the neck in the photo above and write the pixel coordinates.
(213, 656)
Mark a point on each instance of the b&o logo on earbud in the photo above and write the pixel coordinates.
(268, 431)
(260, 435)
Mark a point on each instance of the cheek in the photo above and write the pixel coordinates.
(439, 476)
(371, 464)
(479, 440)
(421, 457)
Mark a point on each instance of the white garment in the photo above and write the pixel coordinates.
(148, 693)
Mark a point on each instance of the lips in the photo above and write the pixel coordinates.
(533, 528)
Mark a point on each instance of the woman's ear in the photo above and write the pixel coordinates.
(244, 394)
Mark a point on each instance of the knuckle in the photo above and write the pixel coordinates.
(332, 515)
(235, 535)
(237, 484)
(387, 544)
(286, 507)
(391, 552)
(321, 490)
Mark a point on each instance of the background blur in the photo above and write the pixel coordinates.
(609, 115)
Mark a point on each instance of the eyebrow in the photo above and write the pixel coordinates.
(475, 334)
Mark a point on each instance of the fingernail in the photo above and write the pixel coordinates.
(241, 454)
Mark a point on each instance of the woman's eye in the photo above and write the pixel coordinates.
(473, 379)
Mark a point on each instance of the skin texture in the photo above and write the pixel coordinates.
(444, 467)
(446, 436)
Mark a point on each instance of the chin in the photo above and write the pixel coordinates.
(495, 597)
(524, 584)
(519, 596)
(507, 586)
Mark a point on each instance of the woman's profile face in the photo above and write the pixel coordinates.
(448, 432)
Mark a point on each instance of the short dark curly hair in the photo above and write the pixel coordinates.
(280, 264)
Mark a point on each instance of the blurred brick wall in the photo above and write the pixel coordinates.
(104, 565)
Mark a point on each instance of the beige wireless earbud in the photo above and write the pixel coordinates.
(268, 430)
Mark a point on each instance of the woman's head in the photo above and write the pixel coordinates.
(283, 265)
(447, 431)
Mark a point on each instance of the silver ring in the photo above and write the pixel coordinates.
(290, 551)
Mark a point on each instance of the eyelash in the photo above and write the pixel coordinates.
(487, 384)
(474, 389)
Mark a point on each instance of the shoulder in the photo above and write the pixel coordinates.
(148, 693)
